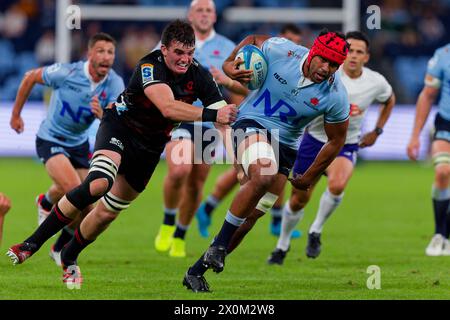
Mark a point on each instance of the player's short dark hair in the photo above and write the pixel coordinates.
(290, 27)
(101, 36)
(358, 35)
(178, 30)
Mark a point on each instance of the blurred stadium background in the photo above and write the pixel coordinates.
(386, 218)
(410, 32)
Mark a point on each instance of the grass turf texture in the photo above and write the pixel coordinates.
(385, 220)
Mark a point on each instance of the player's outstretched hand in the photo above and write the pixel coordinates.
(96, 109)
(16, 123)
(413, 148)
(300, 183)
(231, 69)
(227, 114)
(368, 139)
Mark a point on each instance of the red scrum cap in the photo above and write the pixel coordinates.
(330, 46)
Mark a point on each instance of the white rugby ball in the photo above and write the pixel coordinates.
(254, 60)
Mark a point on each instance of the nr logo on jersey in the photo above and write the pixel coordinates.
(285, 111)
(147, 72)
(82, 113)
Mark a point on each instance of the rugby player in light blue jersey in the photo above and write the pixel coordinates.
(437, 80)
(81, 90)
(183, 184)
(226, 182)
(301, 85)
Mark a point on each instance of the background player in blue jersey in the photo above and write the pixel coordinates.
(267, 130)
(228, 180)
(437, 80)
(81, 90)
(183, 184)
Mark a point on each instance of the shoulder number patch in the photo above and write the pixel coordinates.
(147, 72)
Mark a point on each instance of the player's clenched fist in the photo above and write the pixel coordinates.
(227, 114)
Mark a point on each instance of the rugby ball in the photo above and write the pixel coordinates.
(254, 60)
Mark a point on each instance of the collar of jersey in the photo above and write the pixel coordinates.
(94, 84)
(200, 43)
(303, 82)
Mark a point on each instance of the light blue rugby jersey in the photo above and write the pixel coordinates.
(439, 67)
(69, 115)
(287, 101)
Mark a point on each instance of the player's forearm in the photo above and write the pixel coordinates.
(323, 159)
(256, 40)
(180, 111)
(385, 112)
(23, 93)
(423, 108)
(237, 88)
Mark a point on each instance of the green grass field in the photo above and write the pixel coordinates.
(384, 220)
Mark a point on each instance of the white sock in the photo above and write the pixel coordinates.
(328, 203)
(288, 224)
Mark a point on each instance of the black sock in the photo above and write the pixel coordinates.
(198, 268)
(276, 220)
(447, 233)
(169, 216)
(62, 240)
(179, 233)
(440, 215)
(46, 204)
(225, 234)
(210, 204)
(55, 221)
(71, 251)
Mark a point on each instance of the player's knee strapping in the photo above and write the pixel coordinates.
(266, 202)
(101, 168)
(114, 203)
(441, 158)
(258, 150)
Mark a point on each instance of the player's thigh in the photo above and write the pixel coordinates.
(179, 157)
(300, 198)
(82, 173)
(339, 172)
(62, 172)
(198, 175)
(123, 190)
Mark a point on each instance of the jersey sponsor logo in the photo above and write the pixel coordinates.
(147, 72)
(216, 52)
(73, 88)
(314, 101)
(116, 142)
(277, 40)
(286, 113)
(55, 150)
(279, 78)
(53, 68)
(82, 113)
